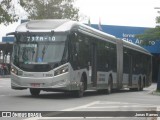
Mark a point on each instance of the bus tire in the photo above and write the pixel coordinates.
(79, 93)
(109, 86)
(34, 91)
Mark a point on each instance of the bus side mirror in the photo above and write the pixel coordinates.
(74, 36)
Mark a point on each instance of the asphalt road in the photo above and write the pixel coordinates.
(123, 100)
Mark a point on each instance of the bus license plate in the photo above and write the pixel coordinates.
(35, 85)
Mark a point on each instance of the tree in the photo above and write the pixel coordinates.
(152, 34)
(38, 9)
(50, 9)
(7, 12)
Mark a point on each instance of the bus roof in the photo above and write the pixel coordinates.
(43, 25)
(63, 25)
(57, 25)
(135, 47)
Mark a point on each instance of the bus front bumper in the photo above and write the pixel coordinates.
(55, 83)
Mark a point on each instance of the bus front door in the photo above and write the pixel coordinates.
(94, 64)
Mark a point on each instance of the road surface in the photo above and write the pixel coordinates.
(123, 100)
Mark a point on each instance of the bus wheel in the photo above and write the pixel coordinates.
(109, 87)
(34, 92)
(79, 93)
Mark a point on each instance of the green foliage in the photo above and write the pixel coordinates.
(7, 17)
(39, 9)
(151, 34)
(50, 9)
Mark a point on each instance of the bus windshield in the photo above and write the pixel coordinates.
(41, 50)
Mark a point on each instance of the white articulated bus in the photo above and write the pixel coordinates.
(64, 55)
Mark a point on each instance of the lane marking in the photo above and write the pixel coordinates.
(126, 103)
(68, 109)
(80, 107)
(136, 106)
(89, 105)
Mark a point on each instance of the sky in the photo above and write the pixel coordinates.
(139, 13)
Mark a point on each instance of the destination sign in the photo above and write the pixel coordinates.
(40, 38)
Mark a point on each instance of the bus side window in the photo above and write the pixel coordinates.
(77, 48)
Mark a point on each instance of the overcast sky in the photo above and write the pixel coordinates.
(120, 12)
(111, 12)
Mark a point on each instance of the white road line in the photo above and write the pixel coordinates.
(108, 102)
(136, 106)
(90, 105)
(69, 109)
(83, 106)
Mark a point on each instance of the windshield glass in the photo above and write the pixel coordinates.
(37, 50)
(41, 52)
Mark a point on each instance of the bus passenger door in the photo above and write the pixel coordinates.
(130, 70)
(127, 67)
(93, 66)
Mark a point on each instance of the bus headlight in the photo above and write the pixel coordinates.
(15, 71)
(61, 70)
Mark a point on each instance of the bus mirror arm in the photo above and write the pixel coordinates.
(11, 33)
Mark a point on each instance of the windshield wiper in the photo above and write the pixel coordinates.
(44, 50)
(33, 52)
